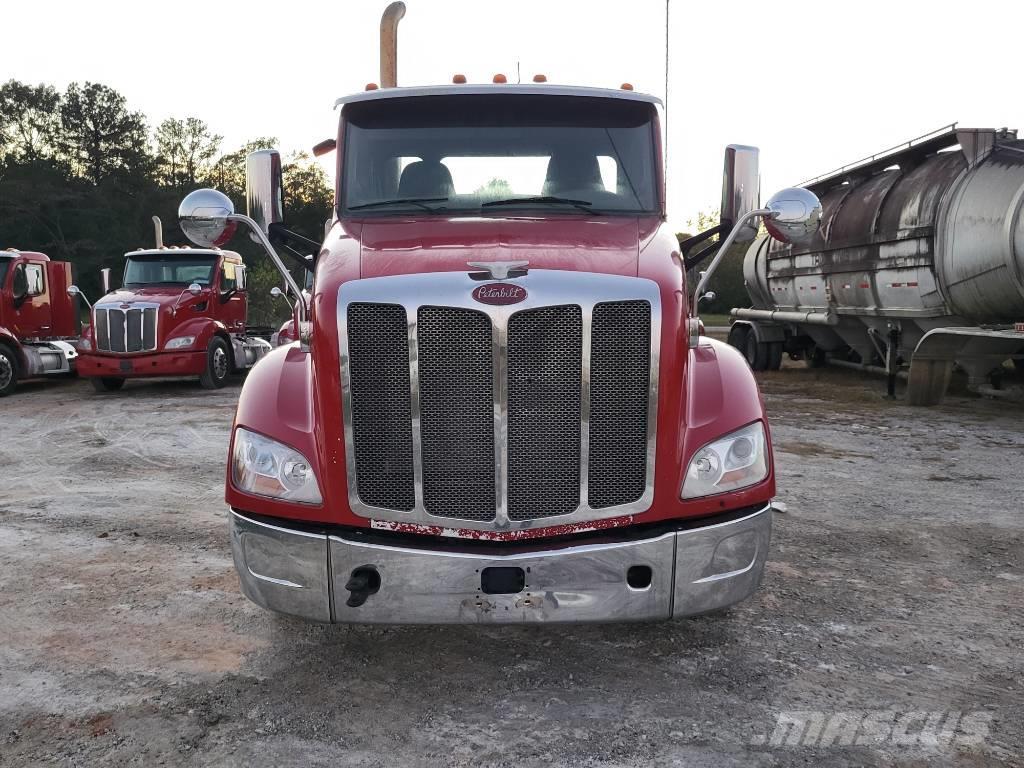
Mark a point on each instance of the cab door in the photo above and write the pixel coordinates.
(30, 296)
(232, 301)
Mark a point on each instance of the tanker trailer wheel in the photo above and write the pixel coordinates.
(107, 384)
(774, 355)
(8, 371)
(756, 352)
(218, 365)
(737, 338)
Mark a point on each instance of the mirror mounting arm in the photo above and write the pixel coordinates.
(280, 234)
(722, 249)
(300, 301)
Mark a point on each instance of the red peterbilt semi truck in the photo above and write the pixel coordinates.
(500, 408)
(181, 312)
(39, 323)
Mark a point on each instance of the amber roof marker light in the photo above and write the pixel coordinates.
(499, 78)
(459, 79)
(540, 78)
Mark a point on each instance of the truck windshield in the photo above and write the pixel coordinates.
(158, 269)
(476, 154)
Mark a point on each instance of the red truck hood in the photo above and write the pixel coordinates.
(607, 244)
(165, 296)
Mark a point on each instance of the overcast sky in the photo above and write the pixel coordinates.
(813, 84)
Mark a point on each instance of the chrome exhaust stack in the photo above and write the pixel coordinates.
(389, 44)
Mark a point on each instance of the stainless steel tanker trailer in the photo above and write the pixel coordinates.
(919, 260)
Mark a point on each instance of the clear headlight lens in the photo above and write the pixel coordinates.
(735, 461)
(181, 342)
(266, 467)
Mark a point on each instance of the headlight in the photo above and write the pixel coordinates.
(266, 467)
(734, 461)
(181, 342)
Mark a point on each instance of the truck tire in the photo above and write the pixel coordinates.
(218, 365)
(756, 353)
(8, 370)
(107, 384)
(774, 355)
(737, 338)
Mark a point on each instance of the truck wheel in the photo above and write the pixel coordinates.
(8, 371)
(738, 336)
(107, 384)
(774, 355)
(756, 352)
(218, 365)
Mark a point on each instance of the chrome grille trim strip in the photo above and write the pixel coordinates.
(545, 288)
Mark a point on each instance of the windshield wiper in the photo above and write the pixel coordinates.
(419, 202)
(583, 205)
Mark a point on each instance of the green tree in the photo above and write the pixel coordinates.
(29, 121)
(184, 149)
(99, 136)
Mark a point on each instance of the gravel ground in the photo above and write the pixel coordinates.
(892, 600)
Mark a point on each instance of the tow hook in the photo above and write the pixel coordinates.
(363, 582)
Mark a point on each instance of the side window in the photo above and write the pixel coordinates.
(34, 276)
(227, 278)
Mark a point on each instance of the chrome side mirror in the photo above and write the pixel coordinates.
(105, 279)
(277, 293)
(264, 198)
(74, 291)
(204, 218)
(794, 215)
(740, 190)
(195, 289)
(241, 277)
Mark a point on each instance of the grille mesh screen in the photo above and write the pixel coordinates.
(620, 361)
(378, 346)
(545, 349)
(456, 412)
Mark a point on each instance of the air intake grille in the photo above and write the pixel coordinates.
(126, 330)
(620, 360)
(456, 412)
(381, 410)
(545, 352)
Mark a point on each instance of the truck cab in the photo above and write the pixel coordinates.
(179, 312)
(39, 322)
(500, 407)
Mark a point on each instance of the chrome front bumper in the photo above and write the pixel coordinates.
(691, 571)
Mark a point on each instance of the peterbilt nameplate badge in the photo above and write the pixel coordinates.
(499, 293)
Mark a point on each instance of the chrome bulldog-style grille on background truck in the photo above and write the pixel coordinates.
(126, 330)
(547, 406)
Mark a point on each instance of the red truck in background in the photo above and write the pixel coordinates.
(39, 322)
(500, 407)
(180, 312)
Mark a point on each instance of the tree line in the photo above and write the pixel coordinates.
(81, 175)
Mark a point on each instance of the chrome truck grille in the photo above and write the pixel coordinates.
(126, 330)
(488, 417)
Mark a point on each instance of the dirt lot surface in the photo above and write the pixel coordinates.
(894, 595)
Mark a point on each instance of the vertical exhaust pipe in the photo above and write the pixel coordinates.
(389, 44)
(158, 228)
